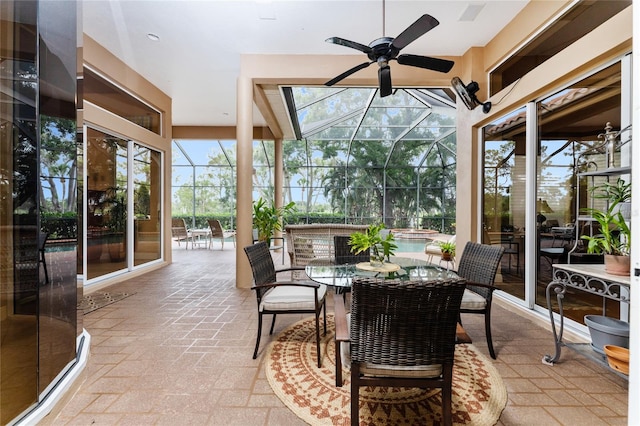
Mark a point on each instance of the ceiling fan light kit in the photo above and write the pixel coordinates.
(385, 49)
(467, 93)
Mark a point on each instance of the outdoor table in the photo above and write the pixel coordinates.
(201, 236)
(339, 276)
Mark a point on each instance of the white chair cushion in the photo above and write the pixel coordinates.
(432, 249)
(381, 370)
(472, 301)
(287, 298)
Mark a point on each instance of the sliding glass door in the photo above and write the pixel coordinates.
(545, 140)
(123, 199)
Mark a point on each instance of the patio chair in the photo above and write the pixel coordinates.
(283, 297)
(273, 246)
(218, 232)
(432, 248)
(479, 265)
(179, 232)
(343, 253)
(402, 334)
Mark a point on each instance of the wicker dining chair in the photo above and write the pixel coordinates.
(479, 265)
(343, 252)
(402, 334)
(283, 297)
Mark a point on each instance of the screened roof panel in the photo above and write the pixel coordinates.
(379, 133)
(328, 153)
(400, 99)
(334, 133)
(394, 131)
(408, 152)
(394, 116)
(204, 152)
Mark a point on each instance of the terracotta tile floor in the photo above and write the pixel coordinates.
(178, 352)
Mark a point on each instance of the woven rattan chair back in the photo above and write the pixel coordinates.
(343, 252)
(404, 323)
(262, 266)
(403, 334)
(283, 297)
(479, 263)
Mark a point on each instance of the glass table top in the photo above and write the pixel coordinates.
(326, 271)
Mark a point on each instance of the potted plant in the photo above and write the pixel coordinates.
(267, 219)
(448, 250)
(380, 247)
(614, 238)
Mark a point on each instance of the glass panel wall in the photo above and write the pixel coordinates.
(118, 202)
(18, 213)
(360, 159)
(571, 122)
(106, 158)
(38, 294)
(503, 206)
(146, 204)
(578, 21)
(204, 182)
(107, 95)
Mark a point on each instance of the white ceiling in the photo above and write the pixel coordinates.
(197, 59)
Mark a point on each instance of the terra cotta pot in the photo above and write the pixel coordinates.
(617, 265)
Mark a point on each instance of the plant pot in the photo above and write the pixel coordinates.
(607, 331)
(446, 256)
(617, 265)
(117, 252)
(618, 358)
(94, 252)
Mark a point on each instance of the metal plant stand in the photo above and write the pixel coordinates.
(588, 278)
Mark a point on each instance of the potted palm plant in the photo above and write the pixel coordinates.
(267, 218)
(614, 238)
(380, 247)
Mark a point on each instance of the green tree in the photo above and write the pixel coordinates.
(58, 159)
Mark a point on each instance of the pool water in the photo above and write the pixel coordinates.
(414, 245)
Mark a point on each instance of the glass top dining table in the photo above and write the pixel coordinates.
(326, 271)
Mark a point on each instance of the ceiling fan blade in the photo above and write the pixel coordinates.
(349, 43)
(436, 64)
(415, 30)
(347, 73)
(384, 78)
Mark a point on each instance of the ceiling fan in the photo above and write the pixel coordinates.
(385, 49)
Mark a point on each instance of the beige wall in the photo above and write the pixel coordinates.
(100, 60)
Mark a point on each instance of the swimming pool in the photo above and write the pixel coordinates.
(413, 245)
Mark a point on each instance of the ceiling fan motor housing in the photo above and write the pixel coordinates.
(383, 47)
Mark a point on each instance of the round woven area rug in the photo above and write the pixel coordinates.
(479, 395)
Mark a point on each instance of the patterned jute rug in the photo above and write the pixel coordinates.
(100, 299)
(479, 395)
